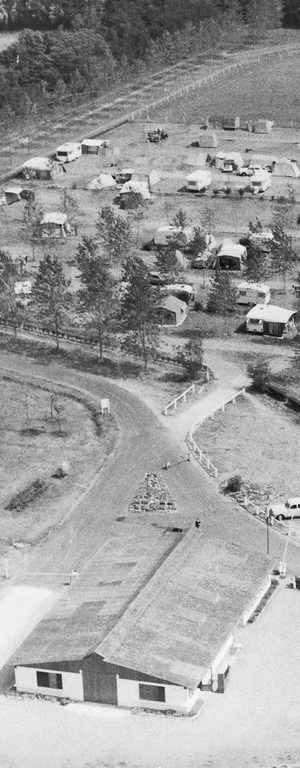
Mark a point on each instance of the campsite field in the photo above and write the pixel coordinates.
(254, 438)
(32, 445)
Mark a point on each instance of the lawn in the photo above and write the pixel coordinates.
(36, 437)
(255, 438)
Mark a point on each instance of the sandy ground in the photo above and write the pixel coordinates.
(20, 610)
(254, 725)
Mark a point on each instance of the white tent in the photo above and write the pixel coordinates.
(208, 139)
(103, 181)
(137, 187)
(234, 158)
(93, 146)
(263, 126)
(285, 167)
(54, 224)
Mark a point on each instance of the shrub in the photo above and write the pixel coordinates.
(234, 484)
(259, 372)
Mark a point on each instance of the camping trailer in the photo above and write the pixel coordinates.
(41, 168)
(260, 182)
(271, 320)
(66, 153)
(250, 294)
(165, 234)
(198, 181)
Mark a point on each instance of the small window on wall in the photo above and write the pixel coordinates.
(49, 680)
(152, 692)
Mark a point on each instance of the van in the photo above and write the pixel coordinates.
(250, 294)
(68, 152)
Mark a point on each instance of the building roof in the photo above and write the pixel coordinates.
(244, 285)
(270, 313)
(54, 217)
(93, 142)
(170, 625)
(68, 146)
(175, 627)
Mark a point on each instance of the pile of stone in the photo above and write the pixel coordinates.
(152, 496)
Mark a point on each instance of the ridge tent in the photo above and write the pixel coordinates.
(208, 139)
(231, 255)
(230, 123)
(103, 181)
(54, 224)
(285, 167)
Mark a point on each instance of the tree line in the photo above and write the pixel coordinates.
(69, 48)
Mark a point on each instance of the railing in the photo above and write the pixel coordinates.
(199, 455)
(173, 404)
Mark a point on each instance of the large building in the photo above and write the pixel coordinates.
(151, 640)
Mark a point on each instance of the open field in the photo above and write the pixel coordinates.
(255, 438)
(266, 89)
(33, 444)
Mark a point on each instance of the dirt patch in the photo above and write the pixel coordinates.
(255, 438)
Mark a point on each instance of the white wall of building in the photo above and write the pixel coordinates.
(218, 660)
(72, 685)
(176, 697)
(256, 600)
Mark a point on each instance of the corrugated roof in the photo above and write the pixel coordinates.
(177, 624)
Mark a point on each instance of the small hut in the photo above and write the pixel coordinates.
(54, 224)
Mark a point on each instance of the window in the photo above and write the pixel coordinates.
(243, 293)
(49, 680)
(261, 296)
(152, 692)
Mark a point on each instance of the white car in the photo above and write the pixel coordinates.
(248, 170)
(284, 510)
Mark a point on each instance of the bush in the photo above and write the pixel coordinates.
(259, 372)
(234, 484)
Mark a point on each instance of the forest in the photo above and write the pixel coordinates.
(71, 47)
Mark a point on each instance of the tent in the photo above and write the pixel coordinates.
(41, 168)
(172, 311)
(137, 187)
(103, 181)
(233, 160)
(94, 146)
(285, 167)
(263, 126)
(54, 224)
(230, 123)
(231, 255)
(219, 159)
(208, 139)
(15, 194)
(262, 160)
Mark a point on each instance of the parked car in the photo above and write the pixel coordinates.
(157, 135)
(156, 278)
(248, 170)
(284, 510)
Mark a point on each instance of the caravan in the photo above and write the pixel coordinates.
(250, 294)
(198, 181)
(260, 182)
(68, 152)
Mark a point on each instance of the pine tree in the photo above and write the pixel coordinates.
(167, 261)
(190, 356)
(114, 232)
(257, 267)
(96, 298)
(139, 306)
(11, 311)
(283, 254)
(222, 296)
(52, 295)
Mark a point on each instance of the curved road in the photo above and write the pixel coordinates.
(144, 446)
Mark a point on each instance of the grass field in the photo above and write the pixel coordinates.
(266, 89)
(32, 445)
(255, 438)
